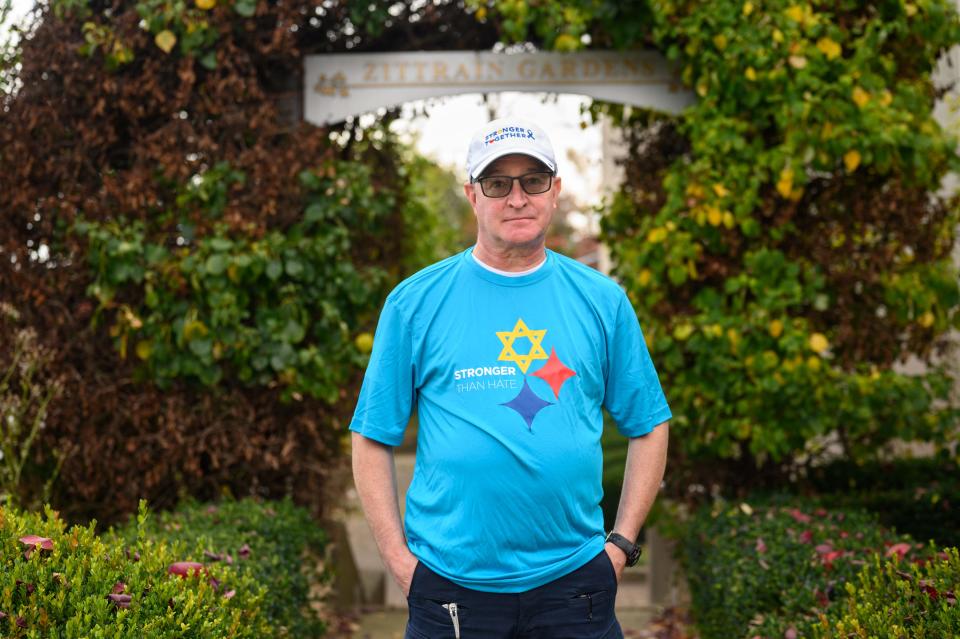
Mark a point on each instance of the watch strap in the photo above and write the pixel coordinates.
(630, 549)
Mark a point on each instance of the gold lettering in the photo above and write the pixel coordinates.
(590, 68)
(340, 83)
(546, 71)
(608, 68)
(462, 73)
(420, 67)
(369, 74)
(402, 68)
(495, 68)
(525, 70)
(631, 66)
(386, 72)
(568, 69)
(439, 71)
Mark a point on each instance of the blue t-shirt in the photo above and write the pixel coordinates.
(508, 375)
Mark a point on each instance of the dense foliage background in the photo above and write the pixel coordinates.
(199, 269)
(786, 241)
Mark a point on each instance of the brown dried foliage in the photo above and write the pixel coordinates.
(79, 138)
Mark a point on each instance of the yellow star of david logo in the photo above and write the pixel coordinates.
(520, 330)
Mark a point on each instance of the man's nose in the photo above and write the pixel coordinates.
(517, 197)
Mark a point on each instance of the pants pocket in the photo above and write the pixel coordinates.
(435, 619)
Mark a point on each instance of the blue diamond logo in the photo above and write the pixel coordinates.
(528, 404)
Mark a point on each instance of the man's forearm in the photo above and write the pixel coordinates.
(646, 461)
(375, 479)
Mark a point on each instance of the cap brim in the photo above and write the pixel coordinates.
(514, 151)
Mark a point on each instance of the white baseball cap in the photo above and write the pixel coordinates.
(505, 136)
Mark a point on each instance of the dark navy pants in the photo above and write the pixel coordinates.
(578, 605)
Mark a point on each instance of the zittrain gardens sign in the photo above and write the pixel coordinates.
(338, 86)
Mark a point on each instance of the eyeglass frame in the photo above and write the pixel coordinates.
(517, 178)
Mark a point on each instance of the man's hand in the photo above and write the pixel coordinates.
(617, 557)
(402, 570)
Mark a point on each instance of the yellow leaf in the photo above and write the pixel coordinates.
(750, 73)
(481, 14)
(144, 349)
(829, 48)
(702, 89)
(910, 9)
(776, 328)
(720, 190)
(813, 363)
(818, 342)
(695, 190)
(165, 40)
(657, 235)
(785, 183)
(683, 331)
(797, 61)
(851, 159)
(860, 97)
(747, 8)
(796, 194)
(714, 216)
(364, 342)
(885, 98)
(566, 42)
(777, 35)
(926, 320)
(206, 5)
(720, 41)
(728, 220)
(795, 13)
(827, 131)
(644, 278)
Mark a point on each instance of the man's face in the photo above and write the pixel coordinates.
(518, 220)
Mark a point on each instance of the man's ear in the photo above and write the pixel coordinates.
(469, 189)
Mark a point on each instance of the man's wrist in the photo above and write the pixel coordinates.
(629, 548)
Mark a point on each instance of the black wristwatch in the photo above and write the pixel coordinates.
(630, 549)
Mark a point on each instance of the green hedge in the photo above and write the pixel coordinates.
(758, 570)
(57, 581)
(893, 599)
(246, 572)
(275, 544)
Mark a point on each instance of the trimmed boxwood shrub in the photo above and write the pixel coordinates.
(275, 544)
(57, 582)
(892, 599)
(759, 570)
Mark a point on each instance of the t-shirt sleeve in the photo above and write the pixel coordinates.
(386, 396)
(633, 396)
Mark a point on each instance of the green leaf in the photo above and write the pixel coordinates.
(274, 269)
(216, 264)
(246, 8)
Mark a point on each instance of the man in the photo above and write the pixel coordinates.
(509, 352)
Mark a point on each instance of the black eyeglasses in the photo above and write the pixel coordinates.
(531, 183)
